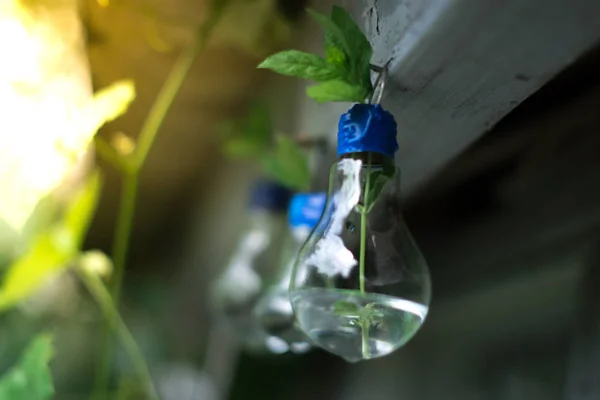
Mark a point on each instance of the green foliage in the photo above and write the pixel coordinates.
(129, 389)
(82, 208)
(377, 181)
(30, 378)
(287, 164)
(345, 72)
(360, 51)
(54, 248)
(337, 90)
(249, 137)
(302, 65)
(363, 316)
(335, 38)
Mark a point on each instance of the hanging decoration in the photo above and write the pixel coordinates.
(344, 75)
(252, 138)
(253, 263)
(274, 311)
(360, 287)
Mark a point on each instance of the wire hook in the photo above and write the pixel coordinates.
(379, 85)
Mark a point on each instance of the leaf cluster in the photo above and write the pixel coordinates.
(363, 316)
(54, 248)
(376, 179)
(30, 378)
(252, 138)
(344, 75)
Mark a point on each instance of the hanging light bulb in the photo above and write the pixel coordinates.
(361, 287)
(238, 288)
(274, 311)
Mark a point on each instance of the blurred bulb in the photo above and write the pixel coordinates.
(361, 287)
(274, 311)
(235, 292)
(183, 382)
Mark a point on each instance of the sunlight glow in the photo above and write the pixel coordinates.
(49, 112)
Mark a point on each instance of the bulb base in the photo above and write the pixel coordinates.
(306, 209)
(269, 195)
(367, 128)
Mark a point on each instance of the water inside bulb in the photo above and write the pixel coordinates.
(357, 326)
(361, 287)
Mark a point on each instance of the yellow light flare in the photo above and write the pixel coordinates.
(49, 113)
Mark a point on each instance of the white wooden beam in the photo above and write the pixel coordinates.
(459, 66)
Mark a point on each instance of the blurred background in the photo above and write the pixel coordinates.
(498, 111)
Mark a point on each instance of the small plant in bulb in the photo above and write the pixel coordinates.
(360, 287)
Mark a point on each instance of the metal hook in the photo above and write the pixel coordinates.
(379, 85)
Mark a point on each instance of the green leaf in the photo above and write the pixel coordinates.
(288, 164)
(50, 252)
(129, 389)
(335, 40)
(112, 102)
(258, 122)
(346, 46)
(249, 137)
(53, 249)
(360, 50)
(336, 46)
(242, 147)
(30, 378)
(377, 181)
(364, 73)
(337, 91)
(82, 208)
(336, 56)
(302, 65)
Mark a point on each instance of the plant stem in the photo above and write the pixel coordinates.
(364, 324)
(120, 248)
(123, 232)
(112, 316)
(146, 139)
(361, 272)
(172, 84)
(109, 154)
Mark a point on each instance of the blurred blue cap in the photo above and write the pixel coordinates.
(269, 195)
(306, 209)
(367, 128)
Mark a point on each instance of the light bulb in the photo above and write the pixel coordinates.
(361, 287)
(235, 292)
(274, 311)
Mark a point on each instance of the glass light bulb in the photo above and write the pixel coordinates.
(274, 311)
(236, 291)
(361, 287)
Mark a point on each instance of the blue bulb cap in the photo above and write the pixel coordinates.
(269, 195)
(306, 209)
(367, 128)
